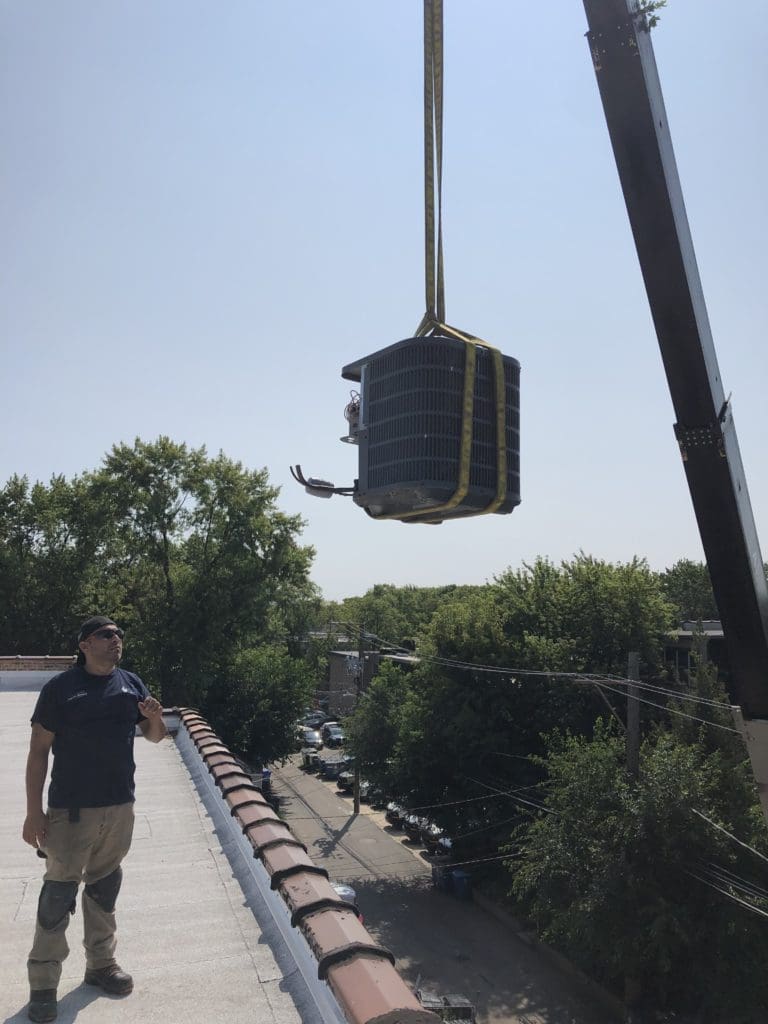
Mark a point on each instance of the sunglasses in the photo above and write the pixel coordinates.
(107, 634)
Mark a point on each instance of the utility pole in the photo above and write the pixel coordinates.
(633, 716)
(360, 682)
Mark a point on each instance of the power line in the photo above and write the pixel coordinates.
(501, 792)
(730, 835)
(674, 711)
(736, 881)
(730, 895)
(582, 677)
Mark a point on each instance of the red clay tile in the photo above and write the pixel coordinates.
(212, 747)
(229, 775)
(192, 718)
(268, 833)
(217, 759)
(250, 816)
(239, 792)
(283, 861)
(336, 935)
(254, 799)
(307, 893)
(202, 734)
(241, 780)
(370, 991)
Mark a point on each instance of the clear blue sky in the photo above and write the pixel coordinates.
(206, 209)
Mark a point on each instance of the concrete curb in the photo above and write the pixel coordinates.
(610, 1003)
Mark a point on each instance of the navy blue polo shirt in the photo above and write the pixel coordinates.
(94, 720)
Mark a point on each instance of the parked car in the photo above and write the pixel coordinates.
(376, 797)
(395, 814)
(412, 826)
(310, 759)
(443, 850)
(309, 738)
(333, 734)
(430, 836)
(449, 1007)
(314, 720)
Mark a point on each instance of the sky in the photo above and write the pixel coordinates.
(207, 209)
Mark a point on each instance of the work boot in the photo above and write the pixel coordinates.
(42, 1004)
(112, 979)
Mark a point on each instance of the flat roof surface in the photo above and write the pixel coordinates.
(185, 929)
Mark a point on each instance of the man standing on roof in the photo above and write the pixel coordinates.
(87, 716)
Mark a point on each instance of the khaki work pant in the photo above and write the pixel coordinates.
(87, 851)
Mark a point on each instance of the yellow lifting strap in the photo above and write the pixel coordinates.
(433, 322)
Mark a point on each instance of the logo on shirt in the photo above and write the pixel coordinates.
(75, 696)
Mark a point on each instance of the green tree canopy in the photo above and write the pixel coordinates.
(688, 587)
(189, 552)
(619, 874)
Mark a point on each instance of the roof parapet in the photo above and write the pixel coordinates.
(358, 971)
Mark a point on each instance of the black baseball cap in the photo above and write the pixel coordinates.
(91, 625)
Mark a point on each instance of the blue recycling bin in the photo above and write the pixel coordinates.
(441, 877)
(462, 884)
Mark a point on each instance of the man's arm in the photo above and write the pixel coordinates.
(152, 727)
(36, 821)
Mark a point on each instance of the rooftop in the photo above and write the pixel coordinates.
(222, 915)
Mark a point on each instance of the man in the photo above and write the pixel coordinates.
(87, 716)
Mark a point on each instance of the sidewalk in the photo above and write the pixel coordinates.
(440, 942)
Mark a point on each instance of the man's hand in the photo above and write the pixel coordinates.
(151, 708)
(35, 829)
(152, 725)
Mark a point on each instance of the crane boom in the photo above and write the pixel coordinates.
(628, 80)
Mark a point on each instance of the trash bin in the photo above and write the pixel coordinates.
(441, 877)
(462, 884)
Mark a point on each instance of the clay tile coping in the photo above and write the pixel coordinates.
(307, 894)
(238, 792)
(370, 991)
(207, 750)
(254, 814)
(360, 973)
(226, 769)
(199, 728)
(228, 786)
(335, 935)
(283, 861)
(253, 799)
(265, 834)
(201, 734)
(192, 718)
(217, 760)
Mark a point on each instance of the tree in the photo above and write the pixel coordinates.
(618, 874)
(373, 728)
(192, 556)
(51, 538)
(203, 564)
(688, 586)
(257, 704)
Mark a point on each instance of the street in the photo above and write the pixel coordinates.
(441, 943)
